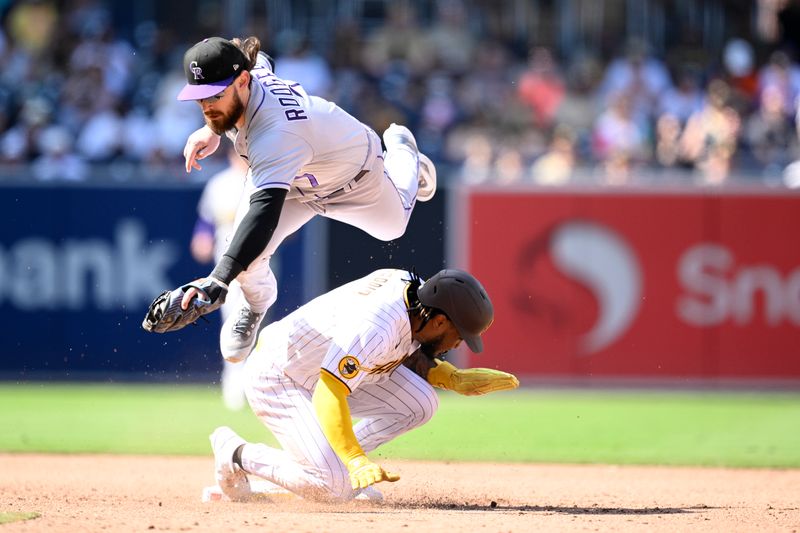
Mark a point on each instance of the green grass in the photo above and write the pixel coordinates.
(617, 427)
(7, 518)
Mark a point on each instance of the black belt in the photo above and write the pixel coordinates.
(349, 186)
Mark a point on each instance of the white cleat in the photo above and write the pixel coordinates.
(238, 334)
(427, 179)
(368, 494)
(397, 136)
(231, 479)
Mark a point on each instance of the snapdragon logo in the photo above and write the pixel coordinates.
(716, 288)
(39, 274)
(580, 257)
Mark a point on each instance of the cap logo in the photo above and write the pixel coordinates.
(196, 70)
(236, 66)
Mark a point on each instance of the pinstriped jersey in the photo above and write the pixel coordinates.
(295, 141)
(359, 332)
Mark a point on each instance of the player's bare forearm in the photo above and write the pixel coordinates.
(420, 363)
(200, 144)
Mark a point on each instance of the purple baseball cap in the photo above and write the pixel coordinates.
(210, 66)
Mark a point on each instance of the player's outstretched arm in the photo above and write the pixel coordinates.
(249, 240)
(200, 144)
(333, 413)
(470, 381)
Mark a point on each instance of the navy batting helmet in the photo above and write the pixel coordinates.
(465, 302)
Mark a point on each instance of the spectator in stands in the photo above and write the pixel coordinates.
(140, 134)
(298, 62)
(556, 165)
(578, 110)
(438, 114)
(508, 167)
(640, 76)
(63, 64)
(542, 88)
(710, 138)
(344, 53)
(83, 96)
(174, 121)
(620, 139)
(684, 98)
(668, 146)
(451, 39)
(488, 92)
(791, 174)
(783, 75)
(478, 158)
(399, 40)
(57, 161)
(769, 134)
(738, 57)
(20, 143)
(32, 26)
(100, 139)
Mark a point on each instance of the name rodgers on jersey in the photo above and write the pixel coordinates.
(286, 95)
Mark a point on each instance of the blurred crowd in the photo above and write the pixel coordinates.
(74, 94)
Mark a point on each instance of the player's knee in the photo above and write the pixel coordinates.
(390, 234)
(392, 226)
(428, 405)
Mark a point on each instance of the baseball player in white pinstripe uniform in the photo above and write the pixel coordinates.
(368, 349)
(307, 157)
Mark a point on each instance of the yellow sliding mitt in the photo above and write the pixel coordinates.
(470, 381)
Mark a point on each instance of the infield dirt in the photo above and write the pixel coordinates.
(122, 493)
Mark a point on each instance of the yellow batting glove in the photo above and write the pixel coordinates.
(364, 472)
(470, 381)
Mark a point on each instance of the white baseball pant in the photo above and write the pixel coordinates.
(306, 464)
(380, 204)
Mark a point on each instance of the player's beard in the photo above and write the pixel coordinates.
(433, 347)
(226, 121)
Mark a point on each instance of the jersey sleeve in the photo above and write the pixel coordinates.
(348, 355)
(276, 157)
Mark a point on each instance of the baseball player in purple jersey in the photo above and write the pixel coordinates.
(306, 157)
(368, 349)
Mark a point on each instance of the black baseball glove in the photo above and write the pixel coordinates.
(165, 313)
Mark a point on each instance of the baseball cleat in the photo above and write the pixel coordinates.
(261, 489)
(232, 480)
(238, 334)
(427, 179)
(396, 136)
(368, 494)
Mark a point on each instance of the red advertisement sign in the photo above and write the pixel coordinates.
(655, 285)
